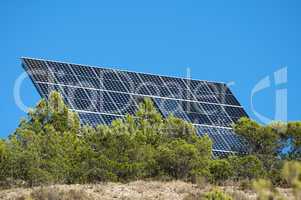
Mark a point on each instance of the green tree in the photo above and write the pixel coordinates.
(51, 146)
(180, 159)
(220, 170)
(262, 140)
(176, 128)
(132, 146)
(46, 147)
(126, 148)
(246, 167)
(149, 122)
(293, 137)
(4, 160)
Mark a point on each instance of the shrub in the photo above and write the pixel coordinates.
(3, 157)
(220, 170)
(179, 159)
(262, 140)
(216, 195)
(246, 167)
(291, 172)
(265, 190)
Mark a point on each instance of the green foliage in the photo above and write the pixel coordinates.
(46, 147)
(4, 164)
(265, 190)
(262, 140)
(145, 146)
(216, 195)
(180, 159)
(291, 172)
(220, 170)
(267, 143)
(123, 154)
(246, 167)
(292, 134)
(50, 146)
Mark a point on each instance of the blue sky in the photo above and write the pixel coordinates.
(228, 41)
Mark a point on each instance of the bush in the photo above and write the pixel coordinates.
(246, 167)
(179, 159)
(291, 172)
(220, 170)
(216, 195)
(265, 190)
(3, 157)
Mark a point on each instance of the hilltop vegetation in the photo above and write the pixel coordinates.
(51, 147)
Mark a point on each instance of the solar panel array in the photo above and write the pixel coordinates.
(100, 95)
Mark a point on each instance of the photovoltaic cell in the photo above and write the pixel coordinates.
(168, 106)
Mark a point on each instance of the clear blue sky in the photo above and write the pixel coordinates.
(240, 41)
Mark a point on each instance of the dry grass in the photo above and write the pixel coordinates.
(174, 190)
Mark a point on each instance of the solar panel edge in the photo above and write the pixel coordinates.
(117, 69)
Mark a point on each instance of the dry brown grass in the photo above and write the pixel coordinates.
(139, 190)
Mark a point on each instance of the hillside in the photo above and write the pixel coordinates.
(51, 147)
(175, 190)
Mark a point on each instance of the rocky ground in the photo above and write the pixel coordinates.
(175, 190)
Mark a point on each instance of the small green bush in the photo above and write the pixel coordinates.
(220, 170)
(246, 167)
(179, 159)
(216, 195)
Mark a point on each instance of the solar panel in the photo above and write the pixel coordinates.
(101, 95)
